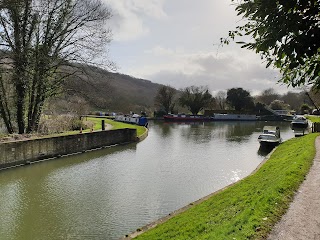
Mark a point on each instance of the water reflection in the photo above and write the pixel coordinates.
(107, 193)
(265, 150)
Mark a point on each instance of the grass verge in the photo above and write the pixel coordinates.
(250, 208)
(115, 125)
(314, 118)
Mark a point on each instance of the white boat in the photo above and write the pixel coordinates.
(270, 136)
(134, 119)
(299, 122)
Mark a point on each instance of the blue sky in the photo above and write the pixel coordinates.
(175, 42)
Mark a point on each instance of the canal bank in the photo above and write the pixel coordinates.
(247, 209)
(24, 152)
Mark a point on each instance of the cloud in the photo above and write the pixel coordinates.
(217, 70)
(175, 43)
(129, 17)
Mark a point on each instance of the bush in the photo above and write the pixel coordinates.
(61, 123)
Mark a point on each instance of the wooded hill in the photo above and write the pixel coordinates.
(96, 89)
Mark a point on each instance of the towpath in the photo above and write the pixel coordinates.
(302, 220)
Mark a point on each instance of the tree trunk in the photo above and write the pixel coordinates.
(20, 108)
(4, 110)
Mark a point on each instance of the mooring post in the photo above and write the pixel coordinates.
(103, 125)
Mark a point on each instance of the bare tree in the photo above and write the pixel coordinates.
(196, 99)
(221, 100)
(44, 39)
(267, 96)
(165, 99)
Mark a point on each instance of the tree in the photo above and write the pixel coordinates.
(240, 99)
(286, 34)
(165, 99)
(295, 99)
(267, 96)
(40, 42)
(221, 100)
(195, 99)
(305, 109)
(279, 105)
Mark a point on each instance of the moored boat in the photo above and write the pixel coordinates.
(233, 117)
(299, 122)
(214, 117)
(186, 117)
(270, 136)
(267, 139)
(134, 119)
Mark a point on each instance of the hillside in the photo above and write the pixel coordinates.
(99, 90)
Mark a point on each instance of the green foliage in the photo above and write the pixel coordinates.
(240, 99)
(305, 108)
(286, 34)
(195, 99)
(250, 208)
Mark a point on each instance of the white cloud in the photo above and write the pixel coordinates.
(129, 17)
(217, 70)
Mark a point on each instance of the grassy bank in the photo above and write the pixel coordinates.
(250, 208)
(115, 125)
(314, 118)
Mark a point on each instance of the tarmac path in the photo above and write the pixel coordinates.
(302, 220)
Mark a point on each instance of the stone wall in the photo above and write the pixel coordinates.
(24, 152)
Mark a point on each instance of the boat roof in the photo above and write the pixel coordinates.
(299, 117)
(270, 128)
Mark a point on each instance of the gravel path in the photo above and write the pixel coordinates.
(302, 221)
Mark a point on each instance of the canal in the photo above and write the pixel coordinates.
(108, 193)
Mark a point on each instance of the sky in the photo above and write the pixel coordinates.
(177, 43)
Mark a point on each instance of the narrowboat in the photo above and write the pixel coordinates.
(185, 118)
(133, 119)
(233, 117)
(215, 117)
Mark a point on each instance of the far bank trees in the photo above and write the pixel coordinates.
(40, 42)
(164, 99)
(196, 99)
(240, 99)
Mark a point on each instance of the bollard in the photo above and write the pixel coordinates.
(103, 125)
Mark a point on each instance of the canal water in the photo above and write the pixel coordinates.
(108, 193)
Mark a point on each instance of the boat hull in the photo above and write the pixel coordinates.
(297, 125)
(141, 121)
(269, 144)
(186, 118)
